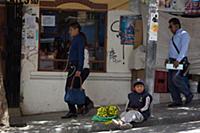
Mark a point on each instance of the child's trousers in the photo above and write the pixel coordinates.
(131, 116)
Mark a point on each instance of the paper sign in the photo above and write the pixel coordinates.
(153, 33)
(30, 21)
(48, 20)
(171, 67)
(30, 37)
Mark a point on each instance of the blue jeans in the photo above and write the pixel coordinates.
(178, 84)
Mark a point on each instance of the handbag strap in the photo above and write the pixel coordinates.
(175, 45)
(72, 83)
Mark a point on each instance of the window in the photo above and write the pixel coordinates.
(55, 39)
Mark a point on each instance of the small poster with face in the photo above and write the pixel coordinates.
(128, 29)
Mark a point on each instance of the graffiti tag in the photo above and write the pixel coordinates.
(113, 56)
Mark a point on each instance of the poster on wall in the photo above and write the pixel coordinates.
(188, 7)
(30, 27)
(153, 33)
(30, 21)
(48, 20)
(175, 6)
(192, 7)
(30, 37)
(128, 25)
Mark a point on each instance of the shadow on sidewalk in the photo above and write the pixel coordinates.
(162, 116)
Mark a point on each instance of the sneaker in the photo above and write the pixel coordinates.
(69, 115)
(189, 99)
(117, 122)
(175, 104)
(126, 126)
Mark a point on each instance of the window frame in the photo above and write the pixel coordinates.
(74, 10)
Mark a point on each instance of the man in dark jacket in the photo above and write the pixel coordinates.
(138, 108)
(75, 63)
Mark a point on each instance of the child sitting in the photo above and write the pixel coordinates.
(138, 107)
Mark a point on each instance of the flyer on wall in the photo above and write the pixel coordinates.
(153, 33)
(127, 29)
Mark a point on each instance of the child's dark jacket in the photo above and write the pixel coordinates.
(140, 102)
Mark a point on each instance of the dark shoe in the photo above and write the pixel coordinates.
(83, 111)
(189, 99)
(69, 115)
(175, 105)
(89, 103)
(80, 111)
(90, 106)
(86, 111)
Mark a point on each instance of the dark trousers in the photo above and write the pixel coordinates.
(70, 76)
(84, 74)
(178, 84)
(71, 73)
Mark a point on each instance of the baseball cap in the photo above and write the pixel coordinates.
(138, 81)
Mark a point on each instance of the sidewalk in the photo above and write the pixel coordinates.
(163, 120)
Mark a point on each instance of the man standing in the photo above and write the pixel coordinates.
(178, 52)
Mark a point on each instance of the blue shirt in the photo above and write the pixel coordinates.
(76, 52)
(181, 40)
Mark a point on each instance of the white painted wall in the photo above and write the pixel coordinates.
(114, 43)
(43, 92)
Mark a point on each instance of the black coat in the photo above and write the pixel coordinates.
(138, 100)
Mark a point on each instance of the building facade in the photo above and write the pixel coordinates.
(42, 76)
(116, 46)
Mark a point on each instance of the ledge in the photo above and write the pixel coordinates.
(120, 76)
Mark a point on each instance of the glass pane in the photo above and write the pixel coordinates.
(55, 41)
(97, 67)
(52, 65)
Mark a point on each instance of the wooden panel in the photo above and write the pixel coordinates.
(84, 2)
(2, 38)
(2, 25)
(135, 74)
(138, 33)
(138, 74)
(13, 53)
